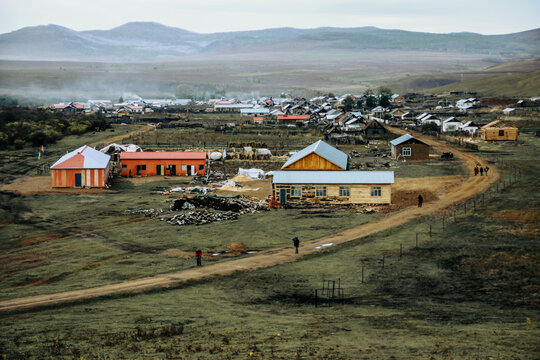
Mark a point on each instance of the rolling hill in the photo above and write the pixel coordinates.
(515, 78)
(147, 41)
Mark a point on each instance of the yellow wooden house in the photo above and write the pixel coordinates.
(499, 131)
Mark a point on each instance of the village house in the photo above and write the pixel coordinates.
(319, 173)
(409, 148)
(451, 125)
(497, 130)
(83, 167)
(292, 119)
(169, 163)
(397, 99)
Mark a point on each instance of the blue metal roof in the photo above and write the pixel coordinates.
(324, 150)
(401, 139)
(333, 177)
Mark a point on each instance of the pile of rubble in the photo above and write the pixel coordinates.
(201, 217)
(235, 204)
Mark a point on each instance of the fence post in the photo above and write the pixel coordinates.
(465, 207)
(400, 250)
(362, 273)
(417, 240)
(430, 230)
(316, 297)
(474, 204)
(443, 222)
(383, 262)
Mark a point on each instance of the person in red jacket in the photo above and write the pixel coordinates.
(198, 255)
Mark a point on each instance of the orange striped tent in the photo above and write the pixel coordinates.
(84, 167)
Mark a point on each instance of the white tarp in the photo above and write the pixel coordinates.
(117, 148)
(252, 173)
(264, 152)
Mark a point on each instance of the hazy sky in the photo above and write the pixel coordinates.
(482, 16)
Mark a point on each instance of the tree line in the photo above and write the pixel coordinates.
(20, 127)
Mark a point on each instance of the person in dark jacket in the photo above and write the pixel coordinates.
(198, 255)
(486, 170)
(481, 171)
(420, 200)
(296, 244)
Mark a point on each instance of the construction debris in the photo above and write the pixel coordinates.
(201, 217)
(235, 204)
(150, 212)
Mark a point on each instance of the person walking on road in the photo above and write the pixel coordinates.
(486, 170)
(296, 244)
(481, 171)
(420, 200)
(198, 255)
(476, 170)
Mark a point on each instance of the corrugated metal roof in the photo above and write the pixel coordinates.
(324, 150)
(401, 139)
(163, 155)
(84, 157)
(333, 177)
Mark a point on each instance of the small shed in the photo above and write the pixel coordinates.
(171, 163)
(407, 147)
(83, 167)
(317, 156)
(499, 131)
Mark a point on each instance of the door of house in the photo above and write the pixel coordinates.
(78, 180)
(139, 170)
(282, 196)
(173, 170)
(188, 171)
(158, 169)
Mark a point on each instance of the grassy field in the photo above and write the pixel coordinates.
(466, 293)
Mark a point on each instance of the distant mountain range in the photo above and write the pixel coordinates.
(148, 41)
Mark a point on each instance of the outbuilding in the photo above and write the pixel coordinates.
(83, 167)
(499, 131)
(407, 147)
(170, 163)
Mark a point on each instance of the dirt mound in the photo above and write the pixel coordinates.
(237, 248)
(241, 178)
(404, 198)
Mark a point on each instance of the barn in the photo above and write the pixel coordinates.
(407, 147)
(497, 130)
(83, 167)
(319, 174)
(170, 163)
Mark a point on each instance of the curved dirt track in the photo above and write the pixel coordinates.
(470, 187)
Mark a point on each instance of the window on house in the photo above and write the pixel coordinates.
(143, 167)
(201, 167)
(184, 167)
(296, 191)
(375, 191)
(344, 191)
(406, 151)
(320, 191)
(124, 167)
(501, 132)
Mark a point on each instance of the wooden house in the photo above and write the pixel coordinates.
(407, 147)
(170, 163)
(499, 131)
(318, 156)
(83, 167)
(397, 99)
(374, 127)
(319, 174)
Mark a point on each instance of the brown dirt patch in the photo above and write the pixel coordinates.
(26, 185)
(140, 180)
(177, 253)
(259, 189)
(237, 248)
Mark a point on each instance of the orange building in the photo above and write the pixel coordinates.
(84, 167)
(170, 163)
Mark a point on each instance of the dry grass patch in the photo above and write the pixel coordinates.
(527, 216)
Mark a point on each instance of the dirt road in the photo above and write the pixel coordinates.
(465, 190)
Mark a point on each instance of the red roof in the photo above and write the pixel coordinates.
(163, 155)
(258, 118)
(293, 117)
